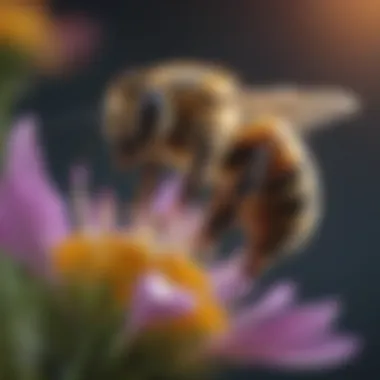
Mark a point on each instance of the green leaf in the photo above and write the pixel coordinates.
(19, 323)
(87, 312)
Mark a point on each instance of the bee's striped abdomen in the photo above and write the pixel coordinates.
(276, 212)
(284, 212)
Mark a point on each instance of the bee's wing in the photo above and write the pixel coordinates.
(306, 108)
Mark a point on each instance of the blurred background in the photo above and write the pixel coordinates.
(271, 41)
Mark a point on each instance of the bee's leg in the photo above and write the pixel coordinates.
(150, 172)
(255, 263)
(218, 219)
(197, 175)
(254, 176)
(208, 156)
(267, 238)
(258, 254)
(229, 198)
(252, 213)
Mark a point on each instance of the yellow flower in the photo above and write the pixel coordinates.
(29, 29)
(123, 260)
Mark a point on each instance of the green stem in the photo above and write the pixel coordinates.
(9, 91)
(78, 364)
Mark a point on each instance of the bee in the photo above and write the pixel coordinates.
(182, 114)
(247, 143)
(269, 182)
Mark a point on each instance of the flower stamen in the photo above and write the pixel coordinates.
(80, 199)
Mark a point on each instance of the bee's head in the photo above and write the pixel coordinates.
(200, 109)
(134, 123)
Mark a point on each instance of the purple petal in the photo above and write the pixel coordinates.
(156, 300)
(176, 226)
(23, 157)
(182, 228)
(228, 280)
(273, 334)
(84, 213)
(105, 211)
(32, 214)
(79, 177)
(296, 326)
(167, 196)
(92, 214)
(276, 301)
(330, 353)
(335, 351)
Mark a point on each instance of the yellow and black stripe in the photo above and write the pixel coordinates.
(281, 207)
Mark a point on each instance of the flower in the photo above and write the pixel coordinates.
(153, 274)
(29, 207)
(28, 27)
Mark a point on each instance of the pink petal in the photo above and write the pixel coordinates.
(32, 214)
(175, 225)
(228, 281)
(78, 38)
(155, 299)
(166, 197)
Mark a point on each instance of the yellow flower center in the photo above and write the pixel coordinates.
(30, 29)
(121, 260)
